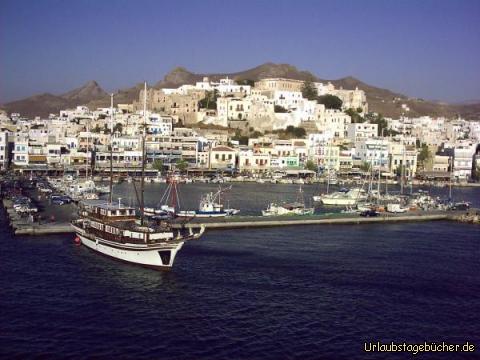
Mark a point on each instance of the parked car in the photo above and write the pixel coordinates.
(369, 213)
(67, 199)
(58, 201)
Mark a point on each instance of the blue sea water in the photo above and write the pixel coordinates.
(316, 292)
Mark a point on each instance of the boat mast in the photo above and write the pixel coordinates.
(328, 164)
(111, 149)
(378, 185)
(450, 179)
(86, 162)
(402, 169)
(142, 180)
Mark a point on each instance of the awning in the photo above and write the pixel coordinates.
(37, 158)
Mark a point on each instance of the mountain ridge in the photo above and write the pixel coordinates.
(380, 100)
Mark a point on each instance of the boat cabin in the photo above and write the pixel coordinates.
(102, 210)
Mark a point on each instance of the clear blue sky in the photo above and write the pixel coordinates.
(429, 49)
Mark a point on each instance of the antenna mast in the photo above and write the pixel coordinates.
(111, 149)
(142, 180)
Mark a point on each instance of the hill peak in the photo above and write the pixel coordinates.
(85, 93)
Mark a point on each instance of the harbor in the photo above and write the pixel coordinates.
(20, 226)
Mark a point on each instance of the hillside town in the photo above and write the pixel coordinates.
(274, 128)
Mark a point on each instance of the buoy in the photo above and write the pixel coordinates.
(77, 240)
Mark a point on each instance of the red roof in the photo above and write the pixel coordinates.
(222, 148)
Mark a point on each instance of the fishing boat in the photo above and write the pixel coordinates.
(210, 206)
(117, 231)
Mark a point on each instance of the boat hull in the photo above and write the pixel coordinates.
(202, 214)
(158, 257)
(339, 202)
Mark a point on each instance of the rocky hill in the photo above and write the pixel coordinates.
(180, 75)
(86, 93)
(384, 101)
(45, 104)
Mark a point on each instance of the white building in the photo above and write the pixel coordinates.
(361, 131)
(233, 109)
(404, 155)
(463, 160)
(222, 157)
(373, 152)
(331, 120)
(20, 152)
(327, 157)
(160, 124)
(250, 161)
(3, 150)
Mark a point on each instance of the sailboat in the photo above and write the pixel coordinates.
(84, 189)
(168, 203)
(117, 231)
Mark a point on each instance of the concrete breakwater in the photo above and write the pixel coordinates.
(259, 221)
(21, 226)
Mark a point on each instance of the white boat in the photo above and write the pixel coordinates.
(103, 189)
(113, 230)
(159, 180)
(210, 206)
(287, 209)
(395, 208)
(342, 198)
(296, 208)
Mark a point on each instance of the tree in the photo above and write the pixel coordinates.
(355, 116)
(209, 101)
(378, 119)
(398, 170)
(181, 165)
(296, 131)
(246, 82)
(309, 91)
(310, 165)
(330, 101)
(424, 155)
(291, 132)
(242, 139)
(280, 109)
(476, 173)
(365, 166)
(96, 129)
(158, 165)
(118, 127)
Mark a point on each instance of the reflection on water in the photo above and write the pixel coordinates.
(294, 292)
